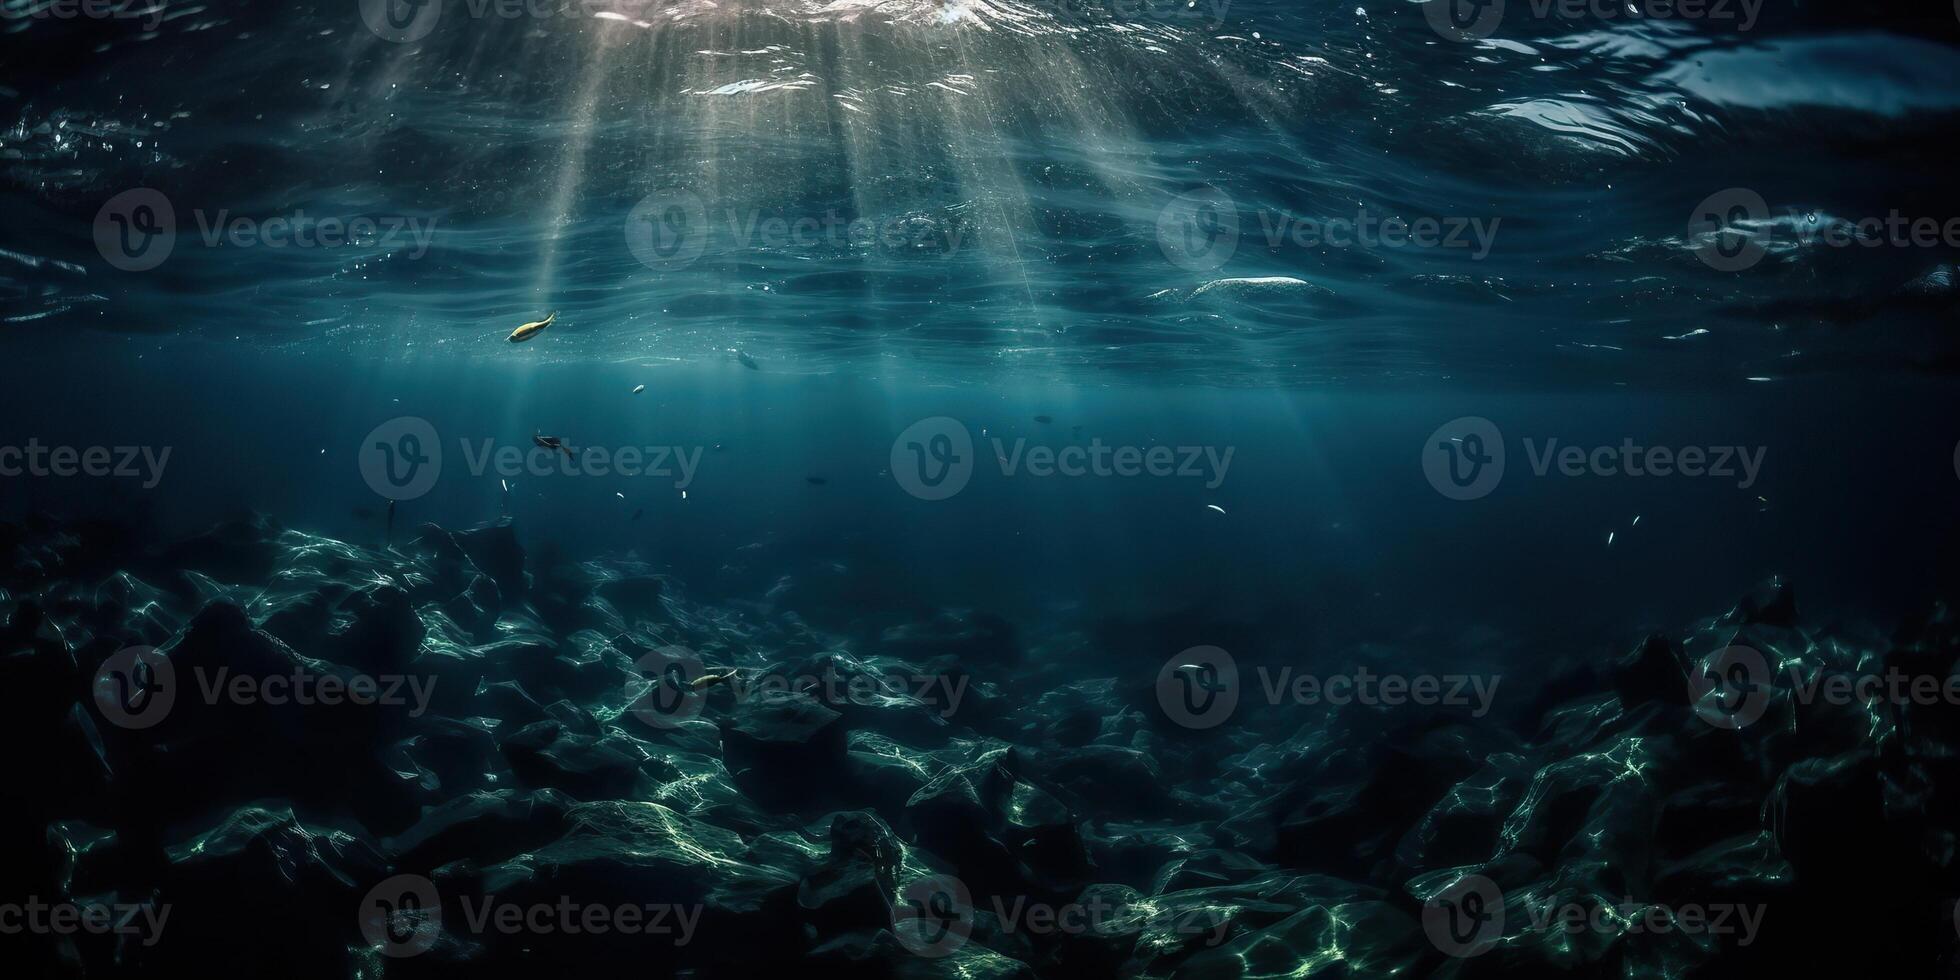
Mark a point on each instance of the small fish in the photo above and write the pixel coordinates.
(747, 361)
(1215, 507)
(532, 329)
(1609, 538)
(639, 388)
(683, 494)
(1636, 521)
(816, 481)
(1044, 419)
(619, 495)
(712, 678)
(552, 442)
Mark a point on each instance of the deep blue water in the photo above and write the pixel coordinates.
(1072, 348)
(1009, 210)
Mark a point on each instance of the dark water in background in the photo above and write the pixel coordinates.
(1024, 158)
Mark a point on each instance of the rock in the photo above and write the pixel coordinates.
(784, 750)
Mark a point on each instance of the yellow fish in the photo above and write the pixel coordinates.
(529, 330)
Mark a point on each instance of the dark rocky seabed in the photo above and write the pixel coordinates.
(800, 823)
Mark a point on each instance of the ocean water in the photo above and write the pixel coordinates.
(1088, 352)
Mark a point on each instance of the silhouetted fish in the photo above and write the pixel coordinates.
(552, 442)
(636, 513)
(816, 481)
(747, 361)
(1044, 419)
